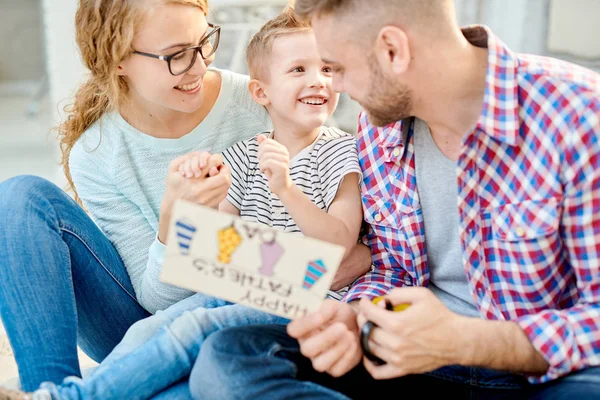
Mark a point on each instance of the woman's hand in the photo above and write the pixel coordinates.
(422, 338)
(329, 337)
(198, 177)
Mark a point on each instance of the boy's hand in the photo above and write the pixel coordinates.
(208, 189)
(274, 162)
(200, 165)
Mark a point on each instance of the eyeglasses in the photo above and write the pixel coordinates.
(181, 62)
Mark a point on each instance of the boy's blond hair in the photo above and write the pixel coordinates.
(258, 52)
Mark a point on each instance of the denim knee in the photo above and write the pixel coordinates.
(208, 370)
(17, 193)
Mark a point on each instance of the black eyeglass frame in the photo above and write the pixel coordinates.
(216, 30)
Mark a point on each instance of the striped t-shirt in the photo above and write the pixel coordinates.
(318, 171)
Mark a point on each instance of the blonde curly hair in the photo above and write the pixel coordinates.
(104, 32)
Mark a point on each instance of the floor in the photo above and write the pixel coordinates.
(27, 146)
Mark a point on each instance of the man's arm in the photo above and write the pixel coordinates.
(569, 339)
(500, 345)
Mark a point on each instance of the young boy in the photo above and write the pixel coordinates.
(301, 178)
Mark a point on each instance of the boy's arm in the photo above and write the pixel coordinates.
(340, 225)
(227, 207)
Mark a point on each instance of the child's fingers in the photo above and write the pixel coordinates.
(213, 171)
(187, 167)
(176, 163)
(215, 160)
(261, 138)
(279, 157)
(203, 159)
(195, 167)
(270, 145)
(270, 166)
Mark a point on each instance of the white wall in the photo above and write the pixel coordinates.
(63, 65)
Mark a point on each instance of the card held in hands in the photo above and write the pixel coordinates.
(221, 255)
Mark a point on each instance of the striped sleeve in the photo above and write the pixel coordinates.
(236, 157)
(337, 158)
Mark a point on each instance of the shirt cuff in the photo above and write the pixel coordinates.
(546, 333)
(369, 291)
(157, 252)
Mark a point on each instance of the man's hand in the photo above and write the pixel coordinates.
(274, 162)
(329, 337)
(422, 338)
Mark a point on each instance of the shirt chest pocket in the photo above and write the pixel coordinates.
(398, 228)
(524, 244)
(387, 214)
(525, 221)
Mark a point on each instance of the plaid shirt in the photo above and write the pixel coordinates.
(529, 202)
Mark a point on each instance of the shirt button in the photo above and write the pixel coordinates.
(378, 217)
(520, 232)
(396, 152)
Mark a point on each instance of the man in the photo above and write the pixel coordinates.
(484, 205)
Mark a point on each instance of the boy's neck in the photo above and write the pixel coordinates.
(295, 140)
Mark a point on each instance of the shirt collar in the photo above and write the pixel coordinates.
(500, 114)
(392, 134)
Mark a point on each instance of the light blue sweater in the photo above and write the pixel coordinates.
(120, 173)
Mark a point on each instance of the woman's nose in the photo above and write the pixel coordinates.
(200, 66)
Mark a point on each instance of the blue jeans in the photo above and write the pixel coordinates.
(62, 283)
(263, 362)
(159, 351)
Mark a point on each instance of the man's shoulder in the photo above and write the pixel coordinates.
(548, 75)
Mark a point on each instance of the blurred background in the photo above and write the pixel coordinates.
(40, 66)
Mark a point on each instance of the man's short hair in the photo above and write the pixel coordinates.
(258, 52)
(368, 16)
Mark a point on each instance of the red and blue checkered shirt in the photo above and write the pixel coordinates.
(528, 180)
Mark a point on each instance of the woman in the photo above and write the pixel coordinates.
(68, 279)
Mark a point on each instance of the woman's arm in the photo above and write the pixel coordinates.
(133, 232)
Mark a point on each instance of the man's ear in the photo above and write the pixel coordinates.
(392, 50)
(258, 93)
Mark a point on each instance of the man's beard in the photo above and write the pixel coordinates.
(386, 102)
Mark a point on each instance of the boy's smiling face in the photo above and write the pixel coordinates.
(298, 84)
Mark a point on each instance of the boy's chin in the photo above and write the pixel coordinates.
(311, 122)
(318, 121)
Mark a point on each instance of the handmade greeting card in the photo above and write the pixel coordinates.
(221, 255)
